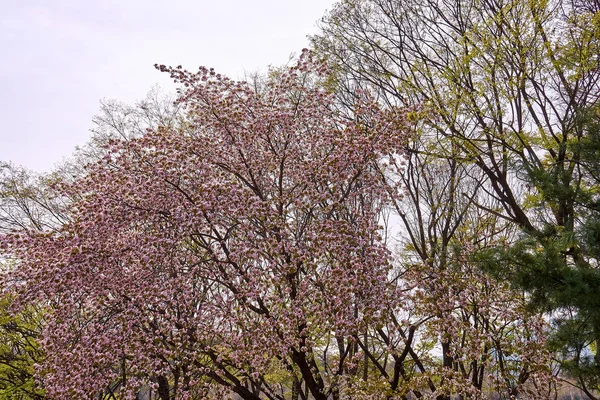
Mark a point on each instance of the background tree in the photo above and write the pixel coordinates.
(510, 85)
(479, 326)
(19, 351)
(28, 201)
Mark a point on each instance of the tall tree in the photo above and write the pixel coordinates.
(207, 256)
(479, 326)
(509, 85)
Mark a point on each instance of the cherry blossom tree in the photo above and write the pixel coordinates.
(202, 260)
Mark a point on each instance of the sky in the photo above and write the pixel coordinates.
(61, 57)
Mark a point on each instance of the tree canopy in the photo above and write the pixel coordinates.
(409, 210)
(512, 87)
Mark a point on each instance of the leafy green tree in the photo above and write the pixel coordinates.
(19, 351)
(479, 325)
(511, 87)
(543, 267)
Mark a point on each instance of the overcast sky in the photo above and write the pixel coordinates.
(61, 57)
